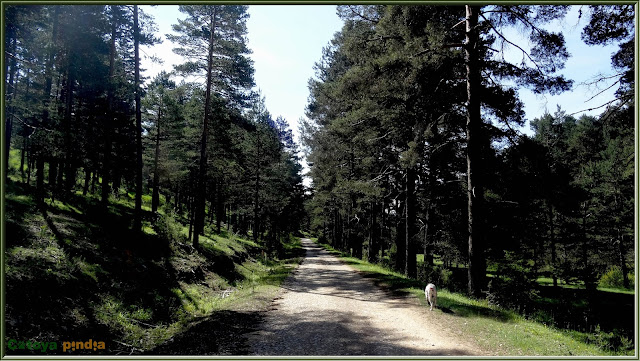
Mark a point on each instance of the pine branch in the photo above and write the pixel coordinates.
(511, 43)
(603, 90)
(360, 15)
(600, 106)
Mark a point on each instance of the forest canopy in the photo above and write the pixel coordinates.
(411, 135)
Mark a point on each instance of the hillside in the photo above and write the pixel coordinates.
(75, 273)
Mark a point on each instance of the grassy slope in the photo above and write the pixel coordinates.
(500, 332)
(75, 273)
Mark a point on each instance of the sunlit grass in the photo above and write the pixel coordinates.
(131, 321)
(498, 331)
(142, 297)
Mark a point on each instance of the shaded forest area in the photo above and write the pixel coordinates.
(135, 207)
(417, 163)
(82, 120)
(411, 140)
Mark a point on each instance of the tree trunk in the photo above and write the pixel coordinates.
(210, 214)
(87, 179)
(155, 198)
(22, 155)
(219, 207)
(477, 269)
(191, 218)
(60, 177)
(10, 88)
(373, 235)
(69, 169)
(117, 181)
(586, 271)
(228, 216)
(621, 259)
(334, 229)
(401, 241)
(30, 162)
(552, 239)
(256, 209)
(93, 182)
(40, 192)
(106, 164)
(202, 175)
(620, 239)
(410, 228)
(137, 220)
(53, 173)
(355, 244)
(40, 175)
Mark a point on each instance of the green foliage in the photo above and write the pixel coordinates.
(612, 341)
(614, 278)
(502, 331)
(137, 295)
(168, 229)
(514, 286)
(439, 275)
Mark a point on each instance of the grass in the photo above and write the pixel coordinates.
(75, 272)
(498, 331)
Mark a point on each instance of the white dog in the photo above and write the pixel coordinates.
(432, 295)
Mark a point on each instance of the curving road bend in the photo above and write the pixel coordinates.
(329, 309)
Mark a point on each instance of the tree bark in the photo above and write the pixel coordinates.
(155, 198)
(22, 155)
(623, 263)
(475, 191)
(69, 168)
(87, 180)
(137, 220)
(401, 241)
(10, 89)
(373, 235)
(106, 163)
(40, 192)
(219, 208)
(552, 239)
(410, 228)
(202, 175)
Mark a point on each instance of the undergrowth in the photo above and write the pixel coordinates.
(75, 272)
(499, 331)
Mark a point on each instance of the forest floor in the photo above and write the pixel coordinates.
(328, 308)
(77, 274)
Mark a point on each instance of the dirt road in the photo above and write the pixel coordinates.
(329, 309)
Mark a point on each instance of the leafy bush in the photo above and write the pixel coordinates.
(169, 229)
(609, 341)
(514, 287)
(613, 278)
(388, 259)
(438, 275)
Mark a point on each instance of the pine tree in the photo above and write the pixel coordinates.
(217, 31)
(544, 58)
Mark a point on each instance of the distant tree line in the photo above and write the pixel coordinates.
(78, 112)
(413, 146)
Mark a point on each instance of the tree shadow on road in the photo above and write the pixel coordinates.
(335, 334)
(221, 333)
(399, 287)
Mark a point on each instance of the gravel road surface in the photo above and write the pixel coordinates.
(329, 309)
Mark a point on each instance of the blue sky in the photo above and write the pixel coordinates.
(585, 63)
(288, 39)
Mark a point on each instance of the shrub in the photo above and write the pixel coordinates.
(440, 276)
(613, 278)
(168, 229)
(514, 287)
(609, 341)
